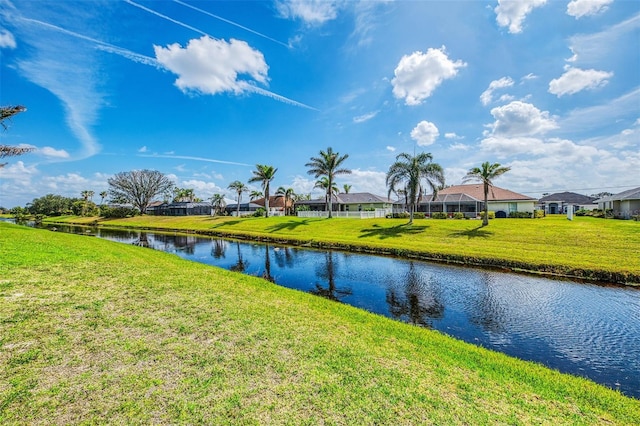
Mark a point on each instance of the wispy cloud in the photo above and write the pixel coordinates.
(7, 40)
(365, 117)
(220, 18)
(187, 157)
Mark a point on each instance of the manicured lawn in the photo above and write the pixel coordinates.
(93, 332)
(552, 244)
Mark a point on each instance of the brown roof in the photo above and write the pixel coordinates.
(476, 191)
(274, 201)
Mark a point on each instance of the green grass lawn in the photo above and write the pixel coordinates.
(586, 247)
(93, 331)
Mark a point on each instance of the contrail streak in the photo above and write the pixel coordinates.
(182, 24)
(186, 157)
(231, 23)
(132, 56)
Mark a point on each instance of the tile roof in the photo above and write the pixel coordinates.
(476, 191)
(568, 197)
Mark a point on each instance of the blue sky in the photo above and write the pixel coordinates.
(203, 91)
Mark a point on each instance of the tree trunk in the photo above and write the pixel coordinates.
(485, 219)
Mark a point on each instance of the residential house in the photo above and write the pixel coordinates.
(559, 203)
(350, 204)
(182, 208)
(469, 199)
(623, 205)
(245, 208)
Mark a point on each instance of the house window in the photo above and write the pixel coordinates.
(513, 207)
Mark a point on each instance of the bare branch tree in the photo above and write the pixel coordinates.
(139, 187)
(5, 150)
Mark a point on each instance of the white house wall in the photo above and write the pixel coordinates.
(522, 206)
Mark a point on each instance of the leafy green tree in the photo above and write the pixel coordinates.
(86, 196)
(485, 174)
(139, 187)
(253, 195)
(51, 205)
(239, 188)
(328, 164)
(408, 172)
(6, 113)
(264, 174)
(289, 196)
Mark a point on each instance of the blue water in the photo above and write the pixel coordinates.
(582, 329)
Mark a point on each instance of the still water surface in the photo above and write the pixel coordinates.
(583, 329)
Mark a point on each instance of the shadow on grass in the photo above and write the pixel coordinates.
(393, 232)
(290, 225)
(227, 223)
(478, 232)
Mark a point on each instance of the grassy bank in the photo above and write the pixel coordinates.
(93, 331)
(589, 248)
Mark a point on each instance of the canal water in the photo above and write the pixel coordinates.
(578, 328)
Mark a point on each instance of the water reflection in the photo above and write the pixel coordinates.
(416, 300)
(582, 329)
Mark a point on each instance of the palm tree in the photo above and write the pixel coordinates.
(485, 174)
(289, 195)
(254, 194)
(218, 203)
(103, 195)
(239, 187)
(264, 174)
(86, 196)
(323, 183)
(409, 171)
(328, 164)
(346, 188)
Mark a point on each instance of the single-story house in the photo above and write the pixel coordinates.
(182, 208)
(559, 203)
(469, 199)
(624, 205)
(245, 208)
(349, 202)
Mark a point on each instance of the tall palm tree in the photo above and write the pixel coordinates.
(485, 174)
(239, 188)
(103, 195)
(408, 172)
(346, 188)
(328, 164)
(323, 183)
(264, 174)
(86, 196)
(289, 195)
(218, 203)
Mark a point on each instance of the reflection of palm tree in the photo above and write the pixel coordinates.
(267, 265)
(240, 265)
(417, 301)
(487, 311)
(331, 291)
(218, 248)
(284, 257)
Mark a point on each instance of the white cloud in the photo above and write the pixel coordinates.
(511, 13)
(213, 66)
(142, 149)
(7, 40)
(425, 133)
(575, 80)
(302, 185)
(419, 74)
(580, 8)
(202, 189)
(459, 147)
(487, 96)
(312, 12)
(520, 119)
(530, 76)
(52, 152)
(365, 117)
(391, 148)
(367, 181)
(17, 171)
(452, 135)
(595, 48)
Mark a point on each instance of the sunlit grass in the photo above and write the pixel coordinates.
(99, 332)
(584, 243)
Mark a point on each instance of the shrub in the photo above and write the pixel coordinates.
(458, 215)
(117, 212)
(402, 215)
(418, 215)
(439, 215)
(538, 214)
(581, 212)
(492, 215)
(259, 212)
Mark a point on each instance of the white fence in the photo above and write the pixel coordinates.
(353, 215)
